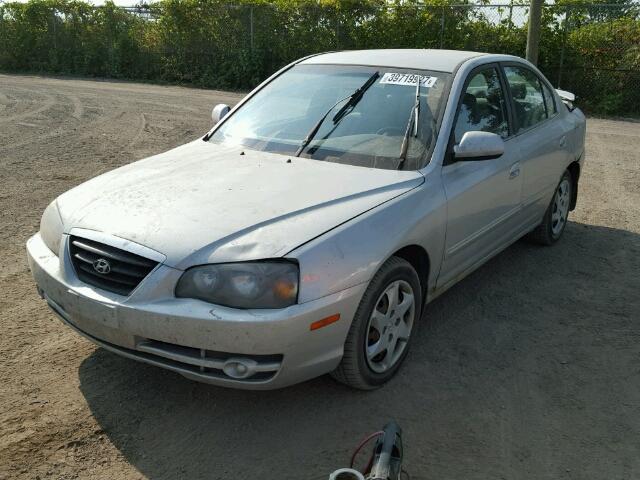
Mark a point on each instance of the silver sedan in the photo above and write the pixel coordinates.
(305, 233)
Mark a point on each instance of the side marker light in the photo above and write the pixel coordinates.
(324, 322)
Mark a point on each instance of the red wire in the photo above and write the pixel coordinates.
(362, 444)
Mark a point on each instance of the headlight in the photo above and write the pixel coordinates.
(272, 284)
(51, 227)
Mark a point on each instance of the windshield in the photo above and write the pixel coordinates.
(369, 133)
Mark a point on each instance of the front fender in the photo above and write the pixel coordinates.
(351, 254)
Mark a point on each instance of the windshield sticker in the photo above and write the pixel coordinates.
(408, 79)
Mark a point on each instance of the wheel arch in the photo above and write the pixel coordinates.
(418, 257)
(574, 170)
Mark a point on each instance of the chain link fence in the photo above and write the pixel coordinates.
(592, 50)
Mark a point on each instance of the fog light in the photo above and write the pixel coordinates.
(239, 367)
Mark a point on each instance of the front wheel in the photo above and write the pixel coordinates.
(555, 218)
(378, 340)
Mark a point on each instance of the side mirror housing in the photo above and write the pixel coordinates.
(479, 146)
(219, 112)
(567, 98)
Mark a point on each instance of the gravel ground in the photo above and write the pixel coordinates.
(527, 369)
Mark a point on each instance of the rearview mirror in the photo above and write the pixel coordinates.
(219, 111)
(479, 146)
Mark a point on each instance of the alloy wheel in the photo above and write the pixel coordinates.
(560, 209)
(389, 326)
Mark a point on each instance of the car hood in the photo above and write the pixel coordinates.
(206, 203)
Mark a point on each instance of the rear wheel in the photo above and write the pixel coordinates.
(378, 340)
(555, 218)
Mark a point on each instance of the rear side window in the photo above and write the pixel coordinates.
(528, 99)
(483, 106)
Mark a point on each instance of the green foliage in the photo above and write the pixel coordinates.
(591, 50)
(614, 48)
(70, 37)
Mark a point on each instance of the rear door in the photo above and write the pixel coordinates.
(541, 135)
(483, 196)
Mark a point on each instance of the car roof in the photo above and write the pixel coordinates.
(422, 59)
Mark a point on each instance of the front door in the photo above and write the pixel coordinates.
(483, 196)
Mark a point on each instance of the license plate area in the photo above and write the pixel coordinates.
(87, 309)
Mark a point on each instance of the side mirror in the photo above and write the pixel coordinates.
(567, 98)
(219, 111)
(479, 146)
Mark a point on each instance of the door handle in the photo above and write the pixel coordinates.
(563, 141)
(515, 171)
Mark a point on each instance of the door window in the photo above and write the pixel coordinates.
(483, 106)
(549, 101)
(526, 91)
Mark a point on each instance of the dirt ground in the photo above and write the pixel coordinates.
(527, 369)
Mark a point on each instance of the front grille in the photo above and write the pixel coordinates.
(108, 267)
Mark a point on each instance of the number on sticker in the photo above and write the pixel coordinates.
(408, 79)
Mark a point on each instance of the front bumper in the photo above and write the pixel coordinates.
(196, 339)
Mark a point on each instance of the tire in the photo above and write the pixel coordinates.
(555, 218)
(390, 326)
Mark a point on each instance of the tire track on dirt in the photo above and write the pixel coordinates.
(77, 112)
(170, 106)
(78, 107)
(4, 101)
(141, 129)
(50, 101)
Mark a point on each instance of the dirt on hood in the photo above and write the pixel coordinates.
(209, 195)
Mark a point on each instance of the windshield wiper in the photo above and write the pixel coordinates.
(353, 100)
(355, 97)
(411, 125)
